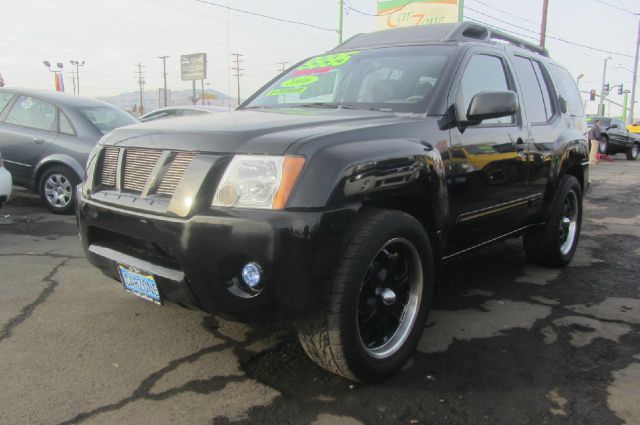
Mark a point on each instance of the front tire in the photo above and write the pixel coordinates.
(379, 299)
(57, 188)
(632, 154)
(554, 243)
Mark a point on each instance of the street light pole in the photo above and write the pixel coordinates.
(340, 21)
(78, 64)
(578, 78)
(602, 95)
(635, 76)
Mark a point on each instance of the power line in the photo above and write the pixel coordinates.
(505, 12)
(381, 14)
(210, 3)
(538, 33)
(615, 7)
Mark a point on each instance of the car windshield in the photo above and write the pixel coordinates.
(604, 121)
(106, 119)
(398, 79)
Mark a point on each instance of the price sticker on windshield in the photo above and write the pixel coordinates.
(323, 64)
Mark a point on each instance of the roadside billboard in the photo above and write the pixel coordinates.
(409, 13)
(193, 67)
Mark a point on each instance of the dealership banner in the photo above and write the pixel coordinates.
(409, 13)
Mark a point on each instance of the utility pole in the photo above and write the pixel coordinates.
(284, 65)
(77, 64)
(635, 76)
(141, 84)
(602, 94)
(202, 87)
(164, 75)
(238, 70)
(543, 26)
(340, 21)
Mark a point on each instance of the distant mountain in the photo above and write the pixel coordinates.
(153, 98)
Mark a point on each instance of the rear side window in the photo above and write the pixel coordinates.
(65, 125)
(483, 73)
(4, 99)
(566, 87)
(531, 91)
(34, 113)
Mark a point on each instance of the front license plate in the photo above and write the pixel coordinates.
(139, 283)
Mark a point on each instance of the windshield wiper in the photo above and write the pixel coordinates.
(316, 105)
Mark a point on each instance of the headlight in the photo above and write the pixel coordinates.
(253, 181)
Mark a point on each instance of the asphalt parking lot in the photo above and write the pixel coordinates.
(507, 343)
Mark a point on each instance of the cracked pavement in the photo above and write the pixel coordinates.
(506, 343)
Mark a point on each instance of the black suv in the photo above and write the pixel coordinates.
(616, 138)
(334, 194)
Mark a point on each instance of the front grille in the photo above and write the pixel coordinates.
(175, 172)
(138, 165)
(137, 168)
(109, 166)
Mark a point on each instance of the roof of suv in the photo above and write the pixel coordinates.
(462, 32)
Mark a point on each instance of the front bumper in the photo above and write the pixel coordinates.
(5, 185)
(197, 261)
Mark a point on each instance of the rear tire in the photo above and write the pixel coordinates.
(379, 299)
(554, 243)
(632, 154)
(57, 189)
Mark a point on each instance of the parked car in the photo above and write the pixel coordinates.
(5, 183)
(181, 111)
(327, 196)
(617, 138)
(634, 127)
(46, 137)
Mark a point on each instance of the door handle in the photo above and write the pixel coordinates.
(38, 140)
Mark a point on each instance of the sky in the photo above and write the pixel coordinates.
(113, 36)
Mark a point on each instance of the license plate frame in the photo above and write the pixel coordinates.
(139, 283)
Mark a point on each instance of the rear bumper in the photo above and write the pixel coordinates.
(197, 261)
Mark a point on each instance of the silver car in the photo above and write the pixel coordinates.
(46, 137)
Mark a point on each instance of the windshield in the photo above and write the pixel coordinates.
(106, 119)
(398, 79)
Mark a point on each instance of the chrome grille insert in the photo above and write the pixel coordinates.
(175, 172)
(109, 166)
(138, 165)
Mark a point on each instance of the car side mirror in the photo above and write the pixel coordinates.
(492, 104)
(563, 104)
(614, 126)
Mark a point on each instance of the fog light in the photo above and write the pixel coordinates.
(252, 276)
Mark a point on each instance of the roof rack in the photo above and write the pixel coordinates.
(463, 31)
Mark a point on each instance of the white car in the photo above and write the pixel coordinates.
(5, 183)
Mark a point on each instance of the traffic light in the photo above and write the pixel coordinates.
(592, 94)
(620, 89)
(607, 87)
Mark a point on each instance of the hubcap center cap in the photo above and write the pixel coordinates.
(388, 296)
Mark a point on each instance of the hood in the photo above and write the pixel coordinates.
(269, 132)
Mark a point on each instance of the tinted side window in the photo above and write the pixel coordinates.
(4, 100)
(483, 73)
(35, 113)
(65, 125)
(531, 92)
(547, 93)
(566, 87)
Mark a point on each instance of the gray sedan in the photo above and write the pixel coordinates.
(46, 137)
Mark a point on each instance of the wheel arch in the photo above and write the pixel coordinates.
(53, 160)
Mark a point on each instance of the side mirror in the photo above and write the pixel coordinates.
(492, 104)
(613, 126)
(563, 105)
